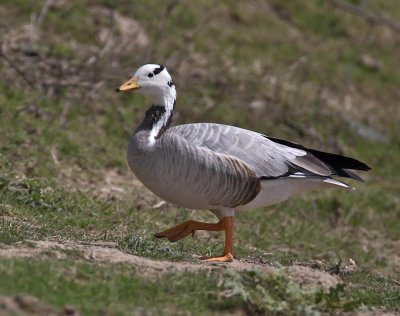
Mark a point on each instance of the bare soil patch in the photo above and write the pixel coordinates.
(106, 252)
(30, 305)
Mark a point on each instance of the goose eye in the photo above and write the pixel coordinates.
(150, 75)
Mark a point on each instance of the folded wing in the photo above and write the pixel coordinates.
(268, 157)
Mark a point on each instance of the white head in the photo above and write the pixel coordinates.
(153, 81)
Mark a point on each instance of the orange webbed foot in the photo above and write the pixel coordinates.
(182, 230)
(224, 258)
(178, 232)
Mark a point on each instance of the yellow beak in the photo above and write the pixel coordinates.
(131, 84)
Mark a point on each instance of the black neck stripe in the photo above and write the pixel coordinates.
(153, 116)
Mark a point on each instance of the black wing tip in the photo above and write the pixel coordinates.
(367, 168)
(350, 174)
(354, 163)
(340, 161)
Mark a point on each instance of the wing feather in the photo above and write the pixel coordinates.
(268, 157)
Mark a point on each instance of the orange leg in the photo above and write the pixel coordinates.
(182, 230)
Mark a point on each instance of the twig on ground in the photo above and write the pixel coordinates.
(36, 22)
(65, 83)
(159, 205)
(99, 52)
(369, 17)
(16, 68)
(54, 156)
(43, 12)
(396, 282)
(279, 15)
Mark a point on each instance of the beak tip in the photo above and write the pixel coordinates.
(117, 90)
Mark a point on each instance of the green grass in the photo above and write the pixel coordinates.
(95, 288)
(60, 144)
(373, 290)
(146, 245)
(121, 289)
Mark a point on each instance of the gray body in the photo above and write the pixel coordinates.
(213, 166)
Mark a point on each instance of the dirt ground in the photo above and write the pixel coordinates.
(108, 253)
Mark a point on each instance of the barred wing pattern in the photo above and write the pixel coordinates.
(268, 159)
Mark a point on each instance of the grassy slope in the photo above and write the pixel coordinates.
(304, 61)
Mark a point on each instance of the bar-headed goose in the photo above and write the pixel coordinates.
(217, 167)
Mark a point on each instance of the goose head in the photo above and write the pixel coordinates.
(154, 82)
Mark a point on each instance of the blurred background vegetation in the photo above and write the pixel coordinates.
(322, 73)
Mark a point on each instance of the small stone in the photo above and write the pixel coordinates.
(258, 105)
(370, 62)
(70, 310)
(7, 304)
(26, 301)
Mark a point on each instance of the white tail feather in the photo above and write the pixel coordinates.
(339, 183)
